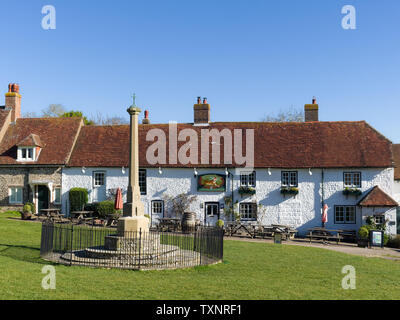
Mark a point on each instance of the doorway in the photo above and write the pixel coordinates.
(42, 197)
(211, 215)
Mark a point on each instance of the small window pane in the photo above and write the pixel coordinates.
(142, 181)
(352, 179)
(289, 178)
(248, 179)
(248, 211)
(157, 207)
(57, 195)
(99, 179)
(16, 195)
(345, 214)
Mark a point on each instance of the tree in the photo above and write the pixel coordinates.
(290, 115)
(53, 111)
(78, 114)
(29, 114)
(179, 204)
(101, 120)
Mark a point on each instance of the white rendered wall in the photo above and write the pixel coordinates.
(302, 211)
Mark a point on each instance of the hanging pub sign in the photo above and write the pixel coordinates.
(211, 182)
(376, 238)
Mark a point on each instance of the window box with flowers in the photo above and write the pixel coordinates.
(245, 190)
(352, 191)
(289, 190)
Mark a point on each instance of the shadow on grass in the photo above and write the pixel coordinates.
(21, 253)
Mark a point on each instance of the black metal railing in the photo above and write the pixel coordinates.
(103, 247)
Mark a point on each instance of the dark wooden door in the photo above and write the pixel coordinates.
(43, 197)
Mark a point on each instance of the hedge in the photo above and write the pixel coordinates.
(78, 197)
(106, 207)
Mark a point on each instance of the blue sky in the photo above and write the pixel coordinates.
(249, 58)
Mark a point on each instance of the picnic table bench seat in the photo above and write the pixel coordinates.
(325, 234)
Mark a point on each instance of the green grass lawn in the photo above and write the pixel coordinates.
(249, 271)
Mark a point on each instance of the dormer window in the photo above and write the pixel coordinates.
(27, 154)
(29, 148)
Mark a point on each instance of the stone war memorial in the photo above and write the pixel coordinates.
(131, 245)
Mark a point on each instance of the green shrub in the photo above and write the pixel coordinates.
(394, 242)
(27, 208)
(220, 223)
(363, 232)
(385, 239)
(106, 207)
(78, 197)
(91, 207)
(33, 207)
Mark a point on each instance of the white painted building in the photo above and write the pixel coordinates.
(319, 160)
(302, 211)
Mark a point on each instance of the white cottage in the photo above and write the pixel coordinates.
(295, 169)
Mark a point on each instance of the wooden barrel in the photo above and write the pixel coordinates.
(189, 222)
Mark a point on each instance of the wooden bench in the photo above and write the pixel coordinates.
(350, 235)
(324, 234)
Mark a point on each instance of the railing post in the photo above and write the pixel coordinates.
(72, 243)
(140, 243)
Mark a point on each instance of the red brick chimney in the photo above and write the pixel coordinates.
(13, 101)
(201, 112)
(146, 119)
(311, 111)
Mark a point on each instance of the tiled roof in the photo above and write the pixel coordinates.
(57, 136)
(3, 115)
(377, 198)
(33, 140)
(396, 159)
(277, 145)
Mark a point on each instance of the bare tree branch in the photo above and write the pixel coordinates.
(290, 115)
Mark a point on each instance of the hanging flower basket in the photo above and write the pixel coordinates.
(289, 190)
(352, 192)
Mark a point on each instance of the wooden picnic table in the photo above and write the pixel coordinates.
(241, 228)
(325, 234)
(52, 214)
(82, 216)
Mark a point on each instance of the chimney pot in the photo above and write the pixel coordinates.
(146, 119)
(314, 100)
(198, 100)
(204, 100)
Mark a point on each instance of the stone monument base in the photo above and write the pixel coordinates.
(132, 224)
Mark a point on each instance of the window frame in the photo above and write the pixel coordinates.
(344, 214)
(22, 150)
(252, 204)
(10, 201)
(246, 176)
(289, 178)
(94, 178)
(143, 189)
(212, 203)
(55, 195)
(381, 216)
(162, 207)
(352, 178)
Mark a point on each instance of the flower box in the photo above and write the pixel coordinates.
(352, 191)
(289, 190)
(246, 190)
